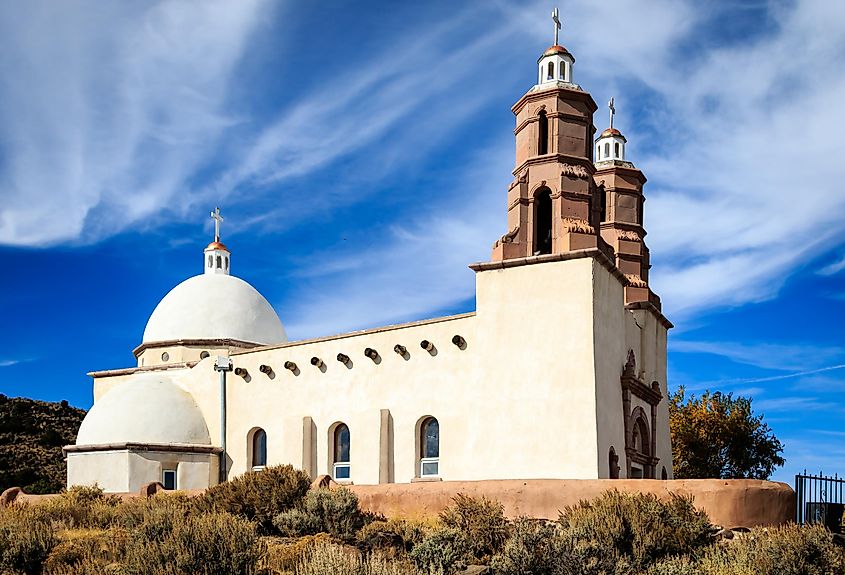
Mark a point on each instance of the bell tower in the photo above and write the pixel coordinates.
(553, 202)
(620, 186)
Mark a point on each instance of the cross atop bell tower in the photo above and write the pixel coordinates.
(552, 202)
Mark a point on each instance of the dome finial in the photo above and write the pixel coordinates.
(612, 111)
(216, 255)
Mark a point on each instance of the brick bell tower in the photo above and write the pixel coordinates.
(620, 187)
(562, 201)
(553, 200)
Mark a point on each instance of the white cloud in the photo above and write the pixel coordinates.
(833, 268)
(806, 358)
(108, 107)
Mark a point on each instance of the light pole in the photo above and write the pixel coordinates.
(222, 364)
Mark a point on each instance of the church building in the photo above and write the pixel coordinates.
(560, 372)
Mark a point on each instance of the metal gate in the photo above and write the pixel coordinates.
(820, 499)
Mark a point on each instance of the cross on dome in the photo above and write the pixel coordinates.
(216, 255)
(612, 111)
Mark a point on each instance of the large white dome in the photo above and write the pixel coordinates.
(214, 306)
(148, 408)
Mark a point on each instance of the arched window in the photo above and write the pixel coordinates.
(613, 464)
(227, 263)
(598, 153)
(259, 449)
(429, 448)
(551, 74)
(340, 450)
(616, 149)
(542, 133)
(219, 262)
(603, 203)
(543, 221)
(606, 149)
(663, 475)
(563, 71)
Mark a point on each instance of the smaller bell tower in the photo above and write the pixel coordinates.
(620, 186)
(553, 203)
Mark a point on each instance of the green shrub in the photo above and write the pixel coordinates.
(208, 544)
(332, 511)
(25, 540)
(482, 521)
(258, 495)
(443, 550)
(532, 549)
(788, 550)
(634, 527)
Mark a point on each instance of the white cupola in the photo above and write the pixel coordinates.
(610, 145)
(216, 256)
(555, 65)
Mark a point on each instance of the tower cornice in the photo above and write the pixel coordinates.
(561, 159)
(612, 168)
(544, 93)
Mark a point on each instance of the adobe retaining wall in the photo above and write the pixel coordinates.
(729, 503)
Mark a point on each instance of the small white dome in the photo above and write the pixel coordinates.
(214, 306)
(148, 408)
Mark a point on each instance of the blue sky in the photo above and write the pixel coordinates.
(361, 154)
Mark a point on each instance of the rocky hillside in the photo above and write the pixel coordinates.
(32, 434)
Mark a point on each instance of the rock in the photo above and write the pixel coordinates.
(150, 489)
(475, 570)
(324, 482)
(8, 497)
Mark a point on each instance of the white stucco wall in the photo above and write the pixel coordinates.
(121, 471)
(535, 394)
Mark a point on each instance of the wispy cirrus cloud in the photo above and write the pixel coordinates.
(801, 358)
(111, 108)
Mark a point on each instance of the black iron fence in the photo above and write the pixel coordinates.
(820, 499)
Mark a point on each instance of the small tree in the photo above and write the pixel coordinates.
(718, 436)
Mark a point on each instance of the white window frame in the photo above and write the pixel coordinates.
(339, 465)
(429, 460)
(164, 472)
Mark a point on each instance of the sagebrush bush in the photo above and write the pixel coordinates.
(80, 507)
(332, 559)
(788, 550)
(332, 511)
(532, 549)
(25, 540)
(393, 534)
(482, 521)
(87, 551)
(258, 495)
(635, 527)
(443, 550)
(678, 565)
(209, 544)
(283, 554)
